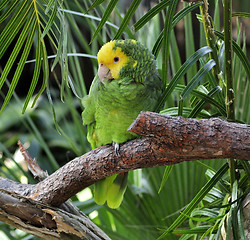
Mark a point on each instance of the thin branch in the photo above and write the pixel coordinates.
(34, 168)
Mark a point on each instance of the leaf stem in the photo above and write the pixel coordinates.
(229, 73)
(211, 42)
(210, 37)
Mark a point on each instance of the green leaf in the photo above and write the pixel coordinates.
(241, 14)
(8, 11)
(216, 19)
(195, 230)
(205, 100)
(189, 41)
(95, 4)
(150, 14)
(241, 224)
(199, 196)
(228, 221)
(88, 17)
(197, 78)
(239, 53)
(184, 68)
(105, 17)
(51, 19)
(178, 16)
(41, 141)
(167, 172)
(134, 5)
(13, 26)
(210, 213)
(49, 5)
(234, 211)
(180, 107)
(36, 71)
(173, 111)
(168, 26)
(64, 63)
(129, 32)
(22, 61)
(175, 58)
(183, 12)
(3, 4)
(246, 167)
(45, 71)
(15, 52)
(61, 40)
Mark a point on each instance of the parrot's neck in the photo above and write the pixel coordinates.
(141, 70)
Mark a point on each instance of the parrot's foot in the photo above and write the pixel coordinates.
(116, 147)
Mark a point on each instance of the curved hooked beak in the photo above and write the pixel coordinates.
(104, 72)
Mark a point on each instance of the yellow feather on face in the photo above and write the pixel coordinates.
(106, 56)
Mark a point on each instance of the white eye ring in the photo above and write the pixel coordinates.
(116, 59)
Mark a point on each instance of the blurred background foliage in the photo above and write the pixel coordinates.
(47, 62)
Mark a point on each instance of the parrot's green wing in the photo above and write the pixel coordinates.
(88, 115)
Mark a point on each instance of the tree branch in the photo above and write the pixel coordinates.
(45, 221)
(167, 140)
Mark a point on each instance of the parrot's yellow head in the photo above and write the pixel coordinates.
(111, 60)
(122, 59)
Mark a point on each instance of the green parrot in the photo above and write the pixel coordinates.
(126, 84)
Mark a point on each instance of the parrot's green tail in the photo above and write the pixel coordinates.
(111, 189)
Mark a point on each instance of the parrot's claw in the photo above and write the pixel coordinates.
(117, 147)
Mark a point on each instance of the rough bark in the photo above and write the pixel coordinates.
(45, 221)
(40, 219)
(166, 140)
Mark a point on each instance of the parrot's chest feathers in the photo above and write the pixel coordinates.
(111, 125)
(115, 111)
(117, 97)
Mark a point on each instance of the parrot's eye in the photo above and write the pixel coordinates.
(116, 59)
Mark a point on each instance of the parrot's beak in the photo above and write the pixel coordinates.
(104, 72)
